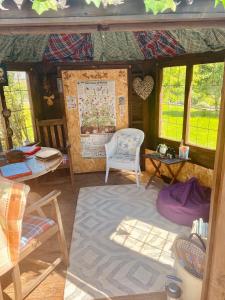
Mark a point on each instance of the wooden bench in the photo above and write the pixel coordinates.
(52, 133)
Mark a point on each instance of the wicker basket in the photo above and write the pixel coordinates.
(190, 256)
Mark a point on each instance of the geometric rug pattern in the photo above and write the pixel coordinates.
(120, 245)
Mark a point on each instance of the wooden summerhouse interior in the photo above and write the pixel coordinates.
(208, 165)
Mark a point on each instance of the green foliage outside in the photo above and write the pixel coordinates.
(17, 100)
(154, 6)
(205, 104)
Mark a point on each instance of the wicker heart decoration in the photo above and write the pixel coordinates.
(143, 88)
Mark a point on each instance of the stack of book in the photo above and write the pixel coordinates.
(200, 227)
(16, 170)
(30, 150)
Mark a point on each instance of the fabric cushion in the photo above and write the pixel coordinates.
(12, 204)
(65, 160)
(180, 213)
(127, 144)
(33, 226)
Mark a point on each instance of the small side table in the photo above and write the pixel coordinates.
(155, 156)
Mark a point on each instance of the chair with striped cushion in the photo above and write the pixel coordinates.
(22, 233)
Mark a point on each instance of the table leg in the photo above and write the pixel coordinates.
(157, 170)
(157, 167)
(175, 175)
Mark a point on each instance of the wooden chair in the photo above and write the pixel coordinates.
(36, 231)
(52, 133)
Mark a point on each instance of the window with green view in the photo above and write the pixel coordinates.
(18, 101)
(172, 102)
(205, 104)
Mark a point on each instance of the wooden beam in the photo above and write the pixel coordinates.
(187, 103)
(214, 277)
(6, 124)
(110, 23)
(158, 99)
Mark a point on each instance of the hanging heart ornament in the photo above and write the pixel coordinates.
(143, 88)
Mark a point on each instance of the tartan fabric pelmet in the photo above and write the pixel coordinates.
(69, 47)
(156, 44)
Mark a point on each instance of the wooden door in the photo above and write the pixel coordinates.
(83, 89)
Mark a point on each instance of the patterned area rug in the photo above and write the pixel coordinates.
(120, 244)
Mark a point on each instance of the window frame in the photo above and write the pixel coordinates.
(28, 70)
(200, 155)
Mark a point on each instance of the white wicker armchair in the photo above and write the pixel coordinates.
(123, 151)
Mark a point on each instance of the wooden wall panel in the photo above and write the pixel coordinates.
(70, 78)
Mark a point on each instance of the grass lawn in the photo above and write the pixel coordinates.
(202, 127)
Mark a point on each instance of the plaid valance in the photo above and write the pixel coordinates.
(22, 48)
(198, 41)
(158, 44)
(109, 46)
(69, 47)
(115, 46)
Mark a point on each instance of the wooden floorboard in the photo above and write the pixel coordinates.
(52, 287)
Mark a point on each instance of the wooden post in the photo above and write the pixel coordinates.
(187, 103)
(5, 120)
(214, 278)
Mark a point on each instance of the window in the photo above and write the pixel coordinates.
(172, 102)
(205, 104)
(200, 107)
(17, 99)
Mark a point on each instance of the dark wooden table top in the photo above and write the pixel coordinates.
(165, 160)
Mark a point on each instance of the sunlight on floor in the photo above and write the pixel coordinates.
(146, 239)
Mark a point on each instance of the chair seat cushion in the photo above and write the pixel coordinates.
(122, 158)
(127, 144)
(32, 227)
(65, 160)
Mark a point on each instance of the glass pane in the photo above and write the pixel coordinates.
(205, 104)
(17, 100)
(172, 102)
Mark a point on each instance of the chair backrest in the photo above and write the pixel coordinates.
(128, 139)
(52, 133)
(13, 197)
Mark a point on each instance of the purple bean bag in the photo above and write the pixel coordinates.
(182, 203)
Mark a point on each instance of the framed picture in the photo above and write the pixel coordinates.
(3, 75)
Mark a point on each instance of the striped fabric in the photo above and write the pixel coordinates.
(32, 227)
(157, 44)
(69, 48)
(12, 204)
